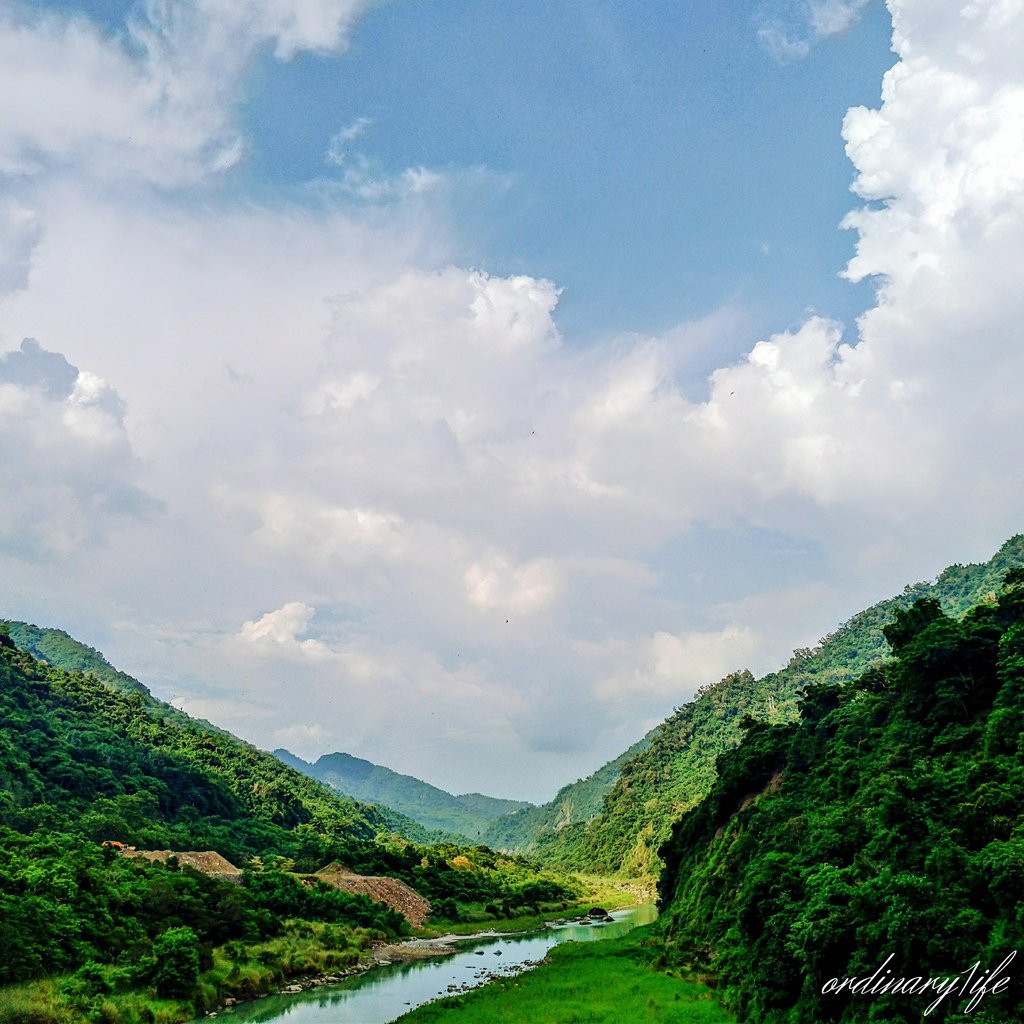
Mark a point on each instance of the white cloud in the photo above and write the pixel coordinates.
(329, 535)
(154, 103)
(516, 590)
(338, 147)
(305, 739)
(782, 47)
(674, 665)
(829, 17)
(70, 475)
(218, 710)
(282, 628)
(20, 232)
(363, 180)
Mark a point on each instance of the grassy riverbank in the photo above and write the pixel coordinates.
(607, 982)
(107, 993)
(101, 995)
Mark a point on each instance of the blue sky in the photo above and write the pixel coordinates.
(656, 162)
(489, 365)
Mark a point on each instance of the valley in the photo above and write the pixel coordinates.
(475, 486)
(758, 810)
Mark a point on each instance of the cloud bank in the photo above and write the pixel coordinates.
(352, 494)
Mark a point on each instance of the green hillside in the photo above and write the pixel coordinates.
(575, 803)
(119, 764)
(464, 817)
(883, 822)
(56, 647)
(678, 765)
(59, 649)
(82, 763)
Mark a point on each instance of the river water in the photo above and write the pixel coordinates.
(387, 992)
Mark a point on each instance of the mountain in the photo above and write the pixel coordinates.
(676, 767)
(59, 649)
(56, 647)
(464, 816)
(100, 748)
(878, 835)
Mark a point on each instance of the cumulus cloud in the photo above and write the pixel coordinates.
(517, 590)
(31, 366)
(70, 475)
(282, 628)
(668, 664)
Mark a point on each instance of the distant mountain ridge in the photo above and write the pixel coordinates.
(467, 816)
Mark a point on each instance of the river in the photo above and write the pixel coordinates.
(384, 993)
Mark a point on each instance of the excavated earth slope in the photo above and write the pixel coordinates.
(208, 861)
(390, 891)
(396, 894)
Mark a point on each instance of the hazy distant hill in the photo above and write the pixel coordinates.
(468, 815)
(574, 803)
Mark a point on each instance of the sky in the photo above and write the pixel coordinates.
(464, 384)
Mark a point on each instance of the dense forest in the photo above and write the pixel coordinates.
(883, 822)
(96, 749)
(84, 763)
(678, 765)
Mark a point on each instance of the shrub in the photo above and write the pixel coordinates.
(177, 963)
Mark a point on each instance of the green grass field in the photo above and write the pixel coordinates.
(607, 982)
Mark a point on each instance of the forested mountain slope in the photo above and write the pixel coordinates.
(59, 649)
(56, 647)
(464, 816)
(678, 765)
(120, 764)
(574, 803)
(82, 764)
(885, 820)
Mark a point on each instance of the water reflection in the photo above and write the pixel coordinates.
(387, 992)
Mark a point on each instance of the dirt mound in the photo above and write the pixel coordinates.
(208, 861)
(390, 891)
